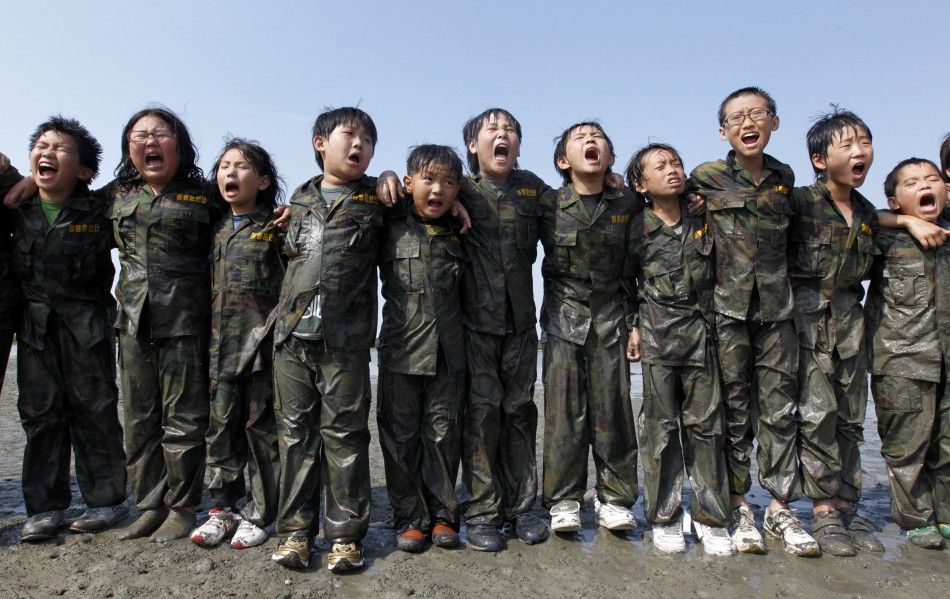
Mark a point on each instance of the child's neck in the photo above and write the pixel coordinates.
(53, 197)
(333, 181)
(841, 196)
(242, 209)
(754, 165)
(588, 184)
(667, 209)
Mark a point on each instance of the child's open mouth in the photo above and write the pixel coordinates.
(501, 151)
(231, 189)
(750, 139)
(858, 169)
(434, 204)
(928, 201)
(154, 160)
(46, 170)
(592, 154)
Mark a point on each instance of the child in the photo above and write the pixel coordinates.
(247, 273)
(672, 335)
(831, 251)
(907, 310)
(587, 313)
(66, 353)
(325, 326)
(748, 217)
(422, 356)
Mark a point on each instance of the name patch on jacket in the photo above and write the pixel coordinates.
(263, 236)
(187, 197)
(94, 228)
(620, 219)
(526, 192)
(698, 233)
(866, 229)
(782, 189)
(366, 198)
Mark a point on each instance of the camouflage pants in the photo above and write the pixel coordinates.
(681, 422)
(165, 393)
(499, 463)
(6, 342)
(833, 398)
(759, 373)
(587, 404)
(242, 432)
(67, 399)
(419, 421)
(322, 408)
(913, 420)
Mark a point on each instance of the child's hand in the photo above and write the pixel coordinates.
(388, 188)
(613, 180)
(928, 234)
(283, 217)
(697, 204)
(633, 345)
(19, 192)
(459, 212)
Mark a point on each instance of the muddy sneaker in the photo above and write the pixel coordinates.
(345, 557)
(566, 516)
(411, 540)
(782, 525)
(613, 517)
(445, 536)
(293, 552)
(927, 537)
(715, 539)
(43, 526)
(96, 519)
(746, 538)
(485, 537)
(944, 530)
(220, 524)
(530, 529)
(668, 538)
(862, 532)
(247, 535)
(829, 531)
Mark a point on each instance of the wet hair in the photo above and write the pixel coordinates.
(473, 125)
(429, 155)
(634, 170)
(893, 177)
(262, 164)
(331, 118)
(747, 91)
(127, 175)
(560, 148)
(87, 147)
(945, 158)
(824, 130)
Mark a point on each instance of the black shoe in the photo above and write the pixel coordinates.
(43, 526)
(829, 530)
(530, 529)
(862, 532)
(485, 537)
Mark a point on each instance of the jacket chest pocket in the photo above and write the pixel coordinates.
(722, 209)
(565, 244)
(190, 229)
(667, 281)
(812, 251)
(79, 258)
(405, 264)
(359, 233)
(24, 257)
(864, 256)
(774, 217)
(526, 225)
(123, 226)
(907, 283)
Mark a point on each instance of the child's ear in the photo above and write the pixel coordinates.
(639, 187)
(893, 205)
(264, 183)
(818, 162)
(319, 144)
(775, 123)
(563, 164)
(473, 147)
(85, 174)
(407, 182)
(722, 133)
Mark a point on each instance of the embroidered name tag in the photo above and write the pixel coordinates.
(263, 236)
(94, 228)
(698, 233)
(186, 197)
(782, 189)
(866, 229)
(526, 192)
(620, 219)
(367, 198)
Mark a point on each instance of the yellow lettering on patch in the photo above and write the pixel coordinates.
(263, 236)
(866, 229)
(193, 199)
(782, 189)
(698, 233)
(94, 228)
(526, 192)
(434, 230)
(368, 198)
(620, 219)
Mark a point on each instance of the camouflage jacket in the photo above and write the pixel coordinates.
(588, 265)
(827, 260)
(333, 252)
(749, 225)
(674, 288)
(502, 247)
(164, 242)
(9, 287)
(246, 274)
(421, 267)
(66, 267)
(908, 308)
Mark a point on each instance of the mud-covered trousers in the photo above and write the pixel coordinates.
(165, 394)
(587, 404)
(67, 400)
(913, 420)
(681, 422)
(322, 412)
(419, 421)
(242, 432)
(499, 460)
(759, 363)
(6, 342)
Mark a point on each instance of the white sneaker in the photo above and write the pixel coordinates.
(613, 517)
(715, 539)
(668, 538)
(220, 523)
(566, 516)
(745, 536)
(782, 525)
(247, 535)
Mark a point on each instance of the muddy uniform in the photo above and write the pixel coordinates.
(499, 465)
(827, 260)
(66, 355)
(681, 384)
(587, 311)
(321, 364)
(9, 287)
(247, 271)
(908, 318)
(422, 369)
(756, 334)
(164, 295)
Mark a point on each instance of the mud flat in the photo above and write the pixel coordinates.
(593, 563)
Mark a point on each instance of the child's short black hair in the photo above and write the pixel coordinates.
(263, 165)
(747, 91)
(428, 155)
(945, 158)
(473, 125)
(893, 177)
(331, 118)
(823, 131)
(560, 148)
(88, 148)
(635, 166)
(126, 173)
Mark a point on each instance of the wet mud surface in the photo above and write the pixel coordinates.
(592, 563)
